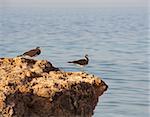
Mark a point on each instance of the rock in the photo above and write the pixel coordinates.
(35, 88)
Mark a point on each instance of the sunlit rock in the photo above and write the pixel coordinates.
(35, 88)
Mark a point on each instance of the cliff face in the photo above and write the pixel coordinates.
(34, 88)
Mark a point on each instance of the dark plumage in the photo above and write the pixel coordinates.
(32, 53)
(81, 62)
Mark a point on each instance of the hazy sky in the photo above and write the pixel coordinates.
(74, 2)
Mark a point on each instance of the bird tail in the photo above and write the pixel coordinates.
(70, 61)
(19, 55)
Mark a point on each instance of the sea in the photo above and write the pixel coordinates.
(115, 38)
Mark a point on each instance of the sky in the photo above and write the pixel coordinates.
(74, 2)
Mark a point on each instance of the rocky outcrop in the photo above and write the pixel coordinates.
(35, 88)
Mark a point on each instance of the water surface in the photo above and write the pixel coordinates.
(116, 40)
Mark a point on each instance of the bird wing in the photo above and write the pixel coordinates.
(81, 61)
(30, 52)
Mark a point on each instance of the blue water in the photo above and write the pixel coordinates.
(116, 40)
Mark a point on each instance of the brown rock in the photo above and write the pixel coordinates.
(34, 88)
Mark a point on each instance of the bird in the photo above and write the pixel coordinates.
(32, 53)
(81, 62)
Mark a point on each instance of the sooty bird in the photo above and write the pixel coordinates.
(32, 53)
(81, 62)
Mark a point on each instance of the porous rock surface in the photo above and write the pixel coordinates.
(35, 88)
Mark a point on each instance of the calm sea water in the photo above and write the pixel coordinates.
(116, 40)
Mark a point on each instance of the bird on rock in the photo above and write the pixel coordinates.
(81, 62)
(32, 53)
